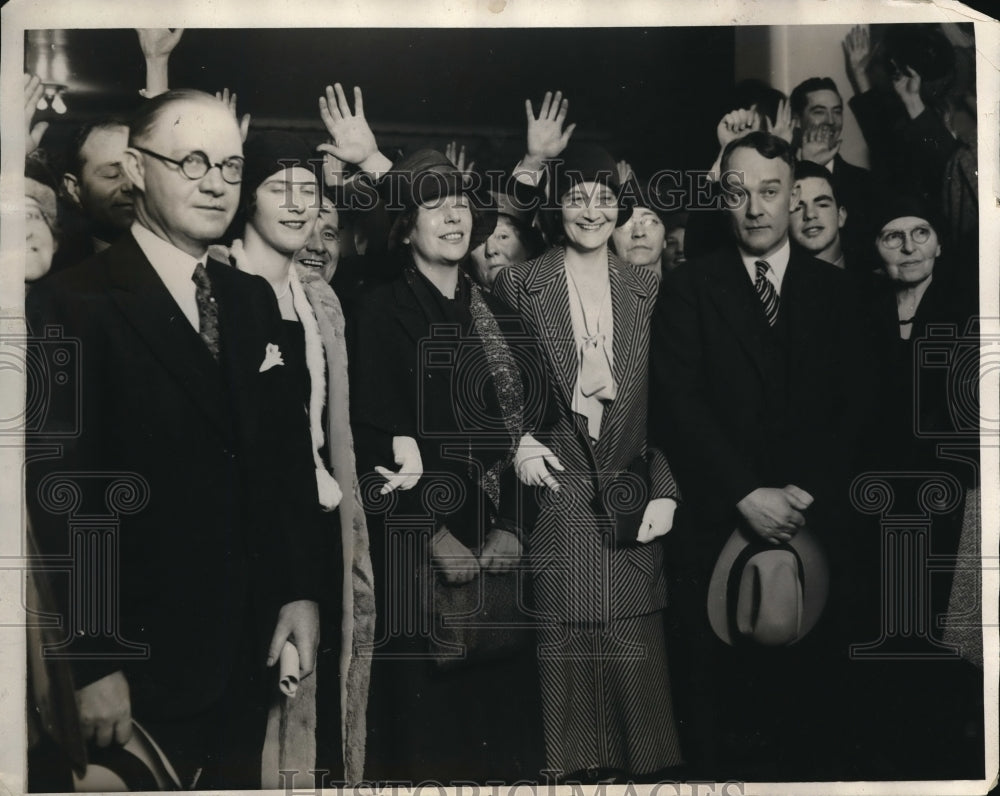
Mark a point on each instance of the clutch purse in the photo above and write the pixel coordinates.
(624, 500)
(478, 621)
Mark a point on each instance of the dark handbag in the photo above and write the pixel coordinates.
(479, 621)
(624, 500)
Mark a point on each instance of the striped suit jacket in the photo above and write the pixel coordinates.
(579, 574)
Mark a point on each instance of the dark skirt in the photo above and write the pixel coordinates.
(477, 722)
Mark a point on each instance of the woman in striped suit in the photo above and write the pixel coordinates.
(607, 705)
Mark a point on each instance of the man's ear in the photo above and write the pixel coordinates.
(841, 217)
(134, 168)
(71, 187)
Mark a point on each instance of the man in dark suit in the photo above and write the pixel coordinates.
(754, 353)
(183, 396)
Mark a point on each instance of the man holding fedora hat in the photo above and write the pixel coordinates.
(755, 377)
(190, 432)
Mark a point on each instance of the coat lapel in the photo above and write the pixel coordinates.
(413, 313)
(627, 294)
(150, 309)
(547, 285)
(805, 309)
(739, 305)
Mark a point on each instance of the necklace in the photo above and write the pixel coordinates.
(283, 293)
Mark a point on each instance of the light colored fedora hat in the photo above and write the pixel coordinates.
(766, 594)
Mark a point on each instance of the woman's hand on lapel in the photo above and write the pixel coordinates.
(407, 455)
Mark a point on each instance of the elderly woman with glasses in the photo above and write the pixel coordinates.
(926, 410)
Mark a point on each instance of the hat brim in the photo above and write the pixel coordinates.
(815, 585)
(139, 765)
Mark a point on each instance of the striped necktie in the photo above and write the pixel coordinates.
(766, 293)
(208, 310)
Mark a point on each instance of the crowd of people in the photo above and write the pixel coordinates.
(536, 479)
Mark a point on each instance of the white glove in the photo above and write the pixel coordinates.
(657, 520)
(532, 462)
(411, 467)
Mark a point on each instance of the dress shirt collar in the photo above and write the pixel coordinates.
(174, 267)
(778, 262)
(163, 255)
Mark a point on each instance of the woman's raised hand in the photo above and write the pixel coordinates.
(546, 136)
(457, 156)
(229, 100)
(33, 92)
(351, 139)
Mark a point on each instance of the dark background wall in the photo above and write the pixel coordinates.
(653, 94)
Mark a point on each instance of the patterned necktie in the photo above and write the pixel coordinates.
(208, 310)
(766, 293)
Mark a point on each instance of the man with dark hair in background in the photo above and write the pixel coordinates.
(818, 115)
(98, 190)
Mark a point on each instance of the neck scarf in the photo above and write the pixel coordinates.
(504, 373)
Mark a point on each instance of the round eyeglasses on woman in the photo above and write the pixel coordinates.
(897, 237)
(196, 165)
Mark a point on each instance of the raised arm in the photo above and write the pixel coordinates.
(229, 99)
(858, 54)
(547, 137)
(351, 138)
(156, 45)
(33, 90)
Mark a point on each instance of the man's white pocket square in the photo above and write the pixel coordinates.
(272, 357)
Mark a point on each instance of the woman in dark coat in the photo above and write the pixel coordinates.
(926, 702)
(431, 372)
